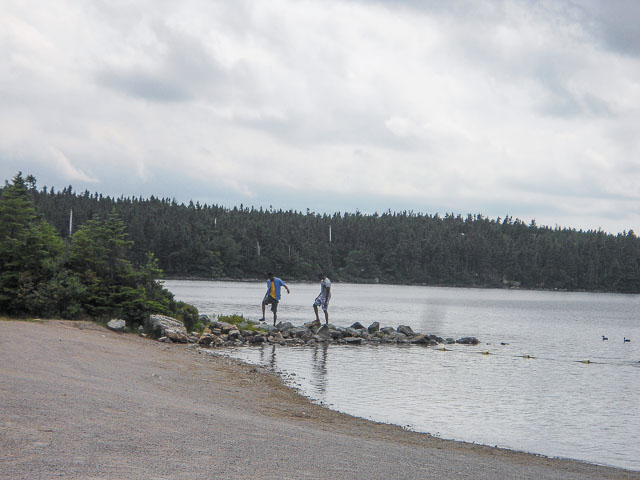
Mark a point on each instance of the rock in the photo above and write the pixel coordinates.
(300, 332)
(420, 340)
(225, 327)
(374, 328)
(117, 325)
(205, 319)
(323, 332)
(405, 330)
(357, 326)
(282, 326)
(468, 341)
(177, 337)
(352, 332)
(257, 339)
(388, 330)
(312, 325)
(205, 339)
(141, 329)
(352, 340)
(270, 329)
(164, 339)
(449, 341)
(161, 325)
(335, 333)
(233, 335)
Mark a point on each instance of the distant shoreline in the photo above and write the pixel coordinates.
(479, 287)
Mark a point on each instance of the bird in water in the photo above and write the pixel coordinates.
(625, 340)
(604, 338)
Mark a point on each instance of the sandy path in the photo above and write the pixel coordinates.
(78, 401)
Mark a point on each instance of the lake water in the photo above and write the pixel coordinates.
(552, 404)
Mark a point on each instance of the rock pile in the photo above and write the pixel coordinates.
(222, 334)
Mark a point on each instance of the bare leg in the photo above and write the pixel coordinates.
(275, 317)
(326, 316)
(315, 309)
(263, 306)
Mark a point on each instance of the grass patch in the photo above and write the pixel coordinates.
(238, 320)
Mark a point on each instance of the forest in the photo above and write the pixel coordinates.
(89, 274)
(213, 241)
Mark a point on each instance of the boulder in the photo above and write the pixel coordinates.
(257, 339)
(323, 332)
(117, 325)
(161, 325)
(449, 341)
(313, 325)
(374, 328)
(177, 337)
(225, 327)
(357, 326)
(405, 330)
(300, 332)
(388, 330)
(282, 326)
(270, 329)
(420, 340)
(336, 333)
(233, 334)
(353, 332)
(206, 339)
(352, 340)
(468, 341)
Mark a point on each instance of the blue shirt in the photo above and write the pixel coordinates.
(278, 284)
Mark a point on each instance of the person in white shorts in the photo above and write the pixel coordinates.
(322, 300)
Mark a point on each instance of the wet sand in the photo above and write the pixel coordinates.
(78, 401)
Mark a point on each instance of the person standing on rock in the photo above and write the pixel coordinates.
(272, 297)
(322, 300)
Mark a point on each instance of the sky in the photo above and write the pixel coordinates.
(509, 107)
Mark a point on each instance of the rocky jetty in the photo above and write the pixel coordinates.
(223, 334)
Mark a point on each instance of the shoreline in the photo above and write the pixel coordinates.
(83, 401)
(313, 282)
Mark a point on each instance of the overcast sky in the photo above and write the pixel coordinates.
(521, 108)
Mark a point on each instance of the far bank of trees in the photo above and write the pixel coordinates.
(89, 274)
(211, 241)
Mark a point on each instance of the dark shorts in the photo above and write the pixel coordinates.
(268, 299)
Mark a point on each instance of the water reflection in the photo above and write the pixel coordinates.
(319, 361)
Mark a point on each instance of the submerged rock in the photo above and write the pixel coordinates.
(468, 341)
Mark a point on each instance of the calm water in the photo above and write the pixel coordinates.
(552, 404)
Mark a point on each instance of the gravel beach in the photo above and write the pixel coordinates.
(78, 401)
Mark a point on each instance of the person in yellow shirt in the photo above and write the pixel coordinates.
(272, 297)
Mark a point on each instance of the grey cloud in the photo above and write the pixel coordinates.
(615, 23)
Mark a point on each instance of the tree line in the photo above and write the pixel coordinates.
(88, 274)
(213, 241)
